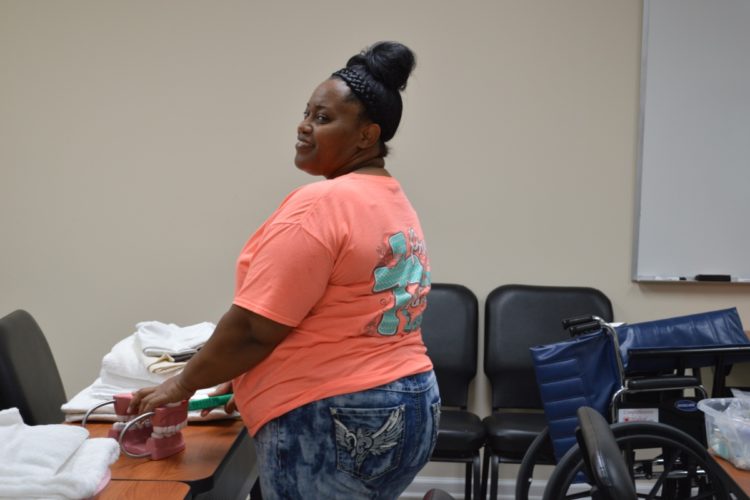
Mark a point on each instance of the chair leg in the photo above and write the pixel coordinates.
(467, 482)
(477, 481)
(485, 469)
(495, 465)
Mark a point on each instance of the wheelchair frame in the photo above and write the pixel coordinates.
(686, 461)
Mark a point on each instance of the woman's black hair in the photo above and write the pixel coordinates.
(376, 77)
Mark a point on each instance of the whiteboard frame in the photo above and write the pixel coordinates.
(670, 276)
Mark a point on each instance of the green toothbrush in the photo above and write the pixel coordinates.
(209, 402)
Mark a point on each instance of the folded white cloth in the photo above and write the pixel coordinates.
(51, 461)
(125, 364)
(164, 365)
(98, 393)
(24, 448)
(158, 338)
(121, 381)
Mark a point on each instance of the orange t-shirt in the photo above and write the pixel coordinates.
(343, 261)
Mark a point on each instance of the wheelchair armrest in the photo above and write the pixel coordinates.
(601, 454)
(662, 383)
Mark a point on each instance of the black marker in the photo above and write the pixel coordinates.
(713, 277)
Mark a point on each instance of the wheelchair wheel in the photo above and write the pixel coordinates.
(530, 458)
(675, 466)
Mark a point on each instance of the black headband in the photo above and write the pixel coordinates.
(366, 89)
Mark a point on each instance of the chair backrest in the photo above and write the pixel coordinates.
(602, 457)
(450, 331)
(518, 317)
(29, 379)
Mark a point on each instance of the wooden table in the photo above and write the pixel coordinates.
(740, 478)
(218, 460)
(138, 490)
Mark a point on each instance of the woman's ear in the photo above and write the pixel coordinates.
(369, 136)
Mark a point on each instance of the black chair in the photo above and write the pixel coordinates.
(518, 317)
(437, 494)
(450, 332)
(29, 379)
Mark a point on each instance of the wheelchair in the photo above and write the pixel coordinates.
(664, 461)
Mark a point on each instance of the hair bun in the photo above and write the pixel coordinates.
(389, 62)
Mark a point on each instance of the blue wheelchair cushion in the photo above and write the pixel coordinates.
(721, 328)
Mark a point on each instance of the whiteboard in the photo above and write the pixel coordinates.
(693, 193)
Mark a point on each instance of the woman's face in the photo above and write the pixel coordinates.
(332, 137)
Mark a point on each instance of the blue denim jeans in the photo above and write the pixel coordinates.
(364, 445)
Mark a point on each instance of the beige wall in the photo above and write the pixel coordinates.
(142, 141)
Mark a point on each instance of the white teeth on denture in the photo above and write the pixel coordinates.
(165, 431)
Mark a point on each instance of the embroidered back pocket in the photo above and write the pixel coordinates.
(369, 441)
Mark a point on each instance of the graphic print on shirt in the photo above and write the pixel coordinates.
(404, 272)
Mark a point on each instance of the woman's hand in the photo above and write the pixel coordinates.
(220, 389)
(170, 391)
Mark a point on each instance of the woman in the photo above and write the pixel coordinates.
(322, 340)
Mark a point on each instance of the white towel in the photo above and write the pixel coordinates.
(51, 461)
(132, 383)
(158, 338)
(125, 364)
(24, 448)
